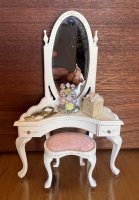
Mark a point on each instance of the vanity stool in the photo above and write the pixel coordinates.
(69, 143)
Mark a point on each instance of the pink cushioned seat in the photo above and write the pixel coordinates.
(70, 141)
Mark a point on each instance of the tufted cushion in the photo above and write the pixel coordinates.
(70, 141)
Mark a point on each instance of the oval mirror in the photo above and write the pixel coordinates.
(70, 55)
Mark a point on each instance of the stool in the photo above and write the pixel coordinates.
(69, 143)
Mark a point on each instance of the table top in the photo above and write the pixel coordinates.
(107, 117)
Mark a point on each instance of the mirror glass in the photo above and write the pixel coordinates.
(70, 54)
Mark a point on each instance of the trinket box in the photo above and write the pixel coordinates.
(93, 104)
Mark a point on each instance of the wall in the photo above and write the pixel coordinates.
(21, 60)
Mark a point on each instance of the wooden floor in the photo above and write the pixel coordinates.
(70, 180)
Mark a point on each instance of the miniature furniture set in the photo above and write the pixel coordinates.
(70, 63)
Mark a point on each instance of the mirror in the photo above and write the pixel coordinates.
(70, 55)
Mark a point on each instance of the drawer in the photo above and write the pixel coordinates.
(108, 130)
(29, 131)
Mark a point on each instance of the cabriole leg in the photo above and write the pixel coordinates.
(47, 163)
(92, 160)
(117, 141)
(20, 145)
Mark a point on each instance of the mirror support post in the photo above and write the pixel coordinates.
(96, 38)
(94, 62)
(46, 69)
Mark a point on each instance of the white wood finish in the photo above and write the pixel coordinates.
(117, 141)
(20, 145)
(50, 155)
(108, 131)
(106, 125)
(82, 163)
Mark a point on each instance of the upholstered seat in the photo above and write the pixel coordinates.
(69, 143)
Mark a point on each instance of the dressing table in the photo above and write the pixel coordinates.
(107, 124)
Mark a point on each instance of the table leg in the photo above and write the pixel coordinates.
(117, 141)
(47, 163)
(20, 145)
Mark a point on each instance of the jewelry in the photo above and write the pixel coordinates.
(44, 113)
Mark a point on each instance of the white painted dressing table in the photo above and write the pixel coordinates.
(106, 124)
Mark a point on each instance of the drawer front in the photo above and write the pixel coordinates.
(108, 131)
(29, 132)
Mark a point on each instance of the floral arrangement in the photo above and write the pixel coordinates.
(68, 98)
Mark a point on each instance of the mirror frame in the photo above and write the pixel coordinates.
(49, 84)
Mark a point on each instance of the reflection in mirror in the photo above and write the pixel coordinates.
(71, 54)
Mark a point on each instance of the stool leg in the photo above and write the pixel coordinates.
(82, 163)
(56, 164)
(92, 160)
(47, 163)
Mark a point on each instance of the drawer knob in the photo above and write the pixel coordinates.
(28, 132)
(109, 132)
